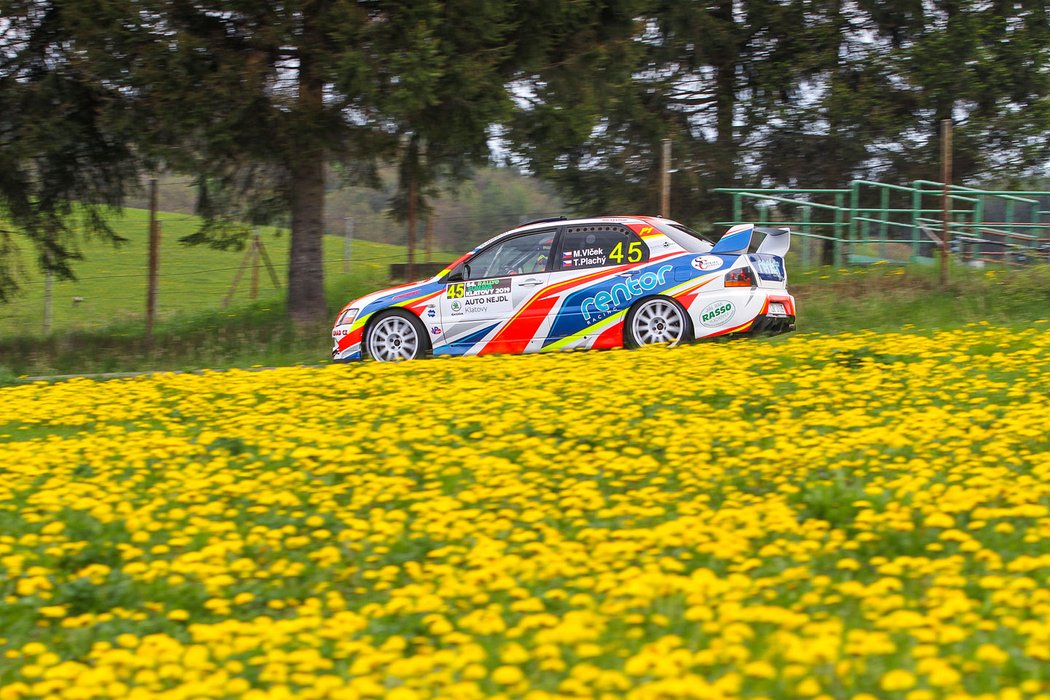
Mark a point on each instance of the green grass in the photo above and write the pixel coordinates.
(111, 281)
(888, 297)
(104, 333)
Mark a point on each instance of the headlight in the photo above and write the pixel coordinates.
(347, 317)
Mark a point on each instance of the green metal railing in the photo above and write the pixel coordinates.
(871, 221)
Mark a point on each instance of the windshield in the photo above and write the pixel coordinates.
(686, 237)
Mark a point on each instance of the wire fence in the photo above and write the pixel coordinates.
(111, 286)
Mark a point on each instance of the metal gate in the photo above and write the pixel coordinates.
(873, 221)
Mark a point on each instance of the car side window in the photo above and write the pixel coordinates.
(518, 255)
(599, 245)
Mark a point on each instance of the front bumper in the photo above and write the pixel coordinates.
(351, 354)
(344, 360)
(346, 344)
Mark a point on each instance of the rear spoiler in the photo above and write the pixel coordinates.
(737, 240)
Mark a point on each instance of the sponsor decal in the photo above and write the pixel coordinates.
(717, 313)
(480, 296)
(436, 330)
(431, 312)
(621, 293)
(487, 287)
(769, 267)
(705, 263)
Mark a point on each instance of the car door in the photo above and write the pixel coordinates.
(593, 274)
(486, 305)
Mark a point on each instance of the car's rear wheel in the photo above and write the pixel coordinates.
(396, 335)
(657, 320)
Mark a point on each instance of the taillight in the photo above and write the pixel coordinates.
(740, 277)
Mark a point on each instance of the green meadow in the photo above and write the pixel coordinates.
(98, 319)
(110, 289)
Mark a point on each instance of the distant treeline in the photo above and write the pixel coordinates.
(488, 202)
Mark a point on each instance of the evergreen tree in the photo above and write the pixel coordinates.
(796, 93)
(692, 74)
(441, 96)
(265, 94)
(65, 134)
(893, 71)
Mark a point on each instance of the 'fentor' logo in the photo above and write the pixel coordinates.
(622, 292)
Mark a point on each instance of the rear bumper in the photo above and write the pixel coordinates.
(774, 324)
(771, 325)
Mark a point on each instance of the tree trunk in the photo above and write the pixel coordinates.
(306, 303)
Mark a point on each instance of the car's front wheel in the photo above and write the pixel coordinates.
(396, 335)
(656, 320)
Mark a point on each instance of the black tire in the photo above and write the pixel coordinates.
(395, 342)
(652, 321)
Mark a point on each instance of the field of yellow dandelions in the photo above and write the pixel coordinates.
(852, 516)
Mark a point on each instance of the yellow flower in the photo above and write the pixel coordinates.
(507, 675)
(808, 687)
(897, 679)
(760, 669)
(938, 519)
(990, 653)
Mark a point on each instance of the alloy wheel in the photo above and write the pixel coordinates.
(393, 338)
(658, 321)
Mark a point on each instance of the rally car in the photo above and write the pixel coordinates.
(560, 284)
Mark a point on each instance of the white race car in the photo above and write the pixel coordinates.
(560, 284)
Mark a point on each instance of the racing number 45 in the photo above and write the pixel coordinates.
(634, 252)
(456, 291)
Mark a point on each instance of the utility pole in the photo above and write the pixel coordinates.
(48, 281)
(413, 222)
(255, 264)
(154, 247)
(348, 239)
(946, 200)
(428, 236)
(665, 180)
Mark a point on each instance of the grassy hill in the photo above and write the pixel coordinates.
(111, 281)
